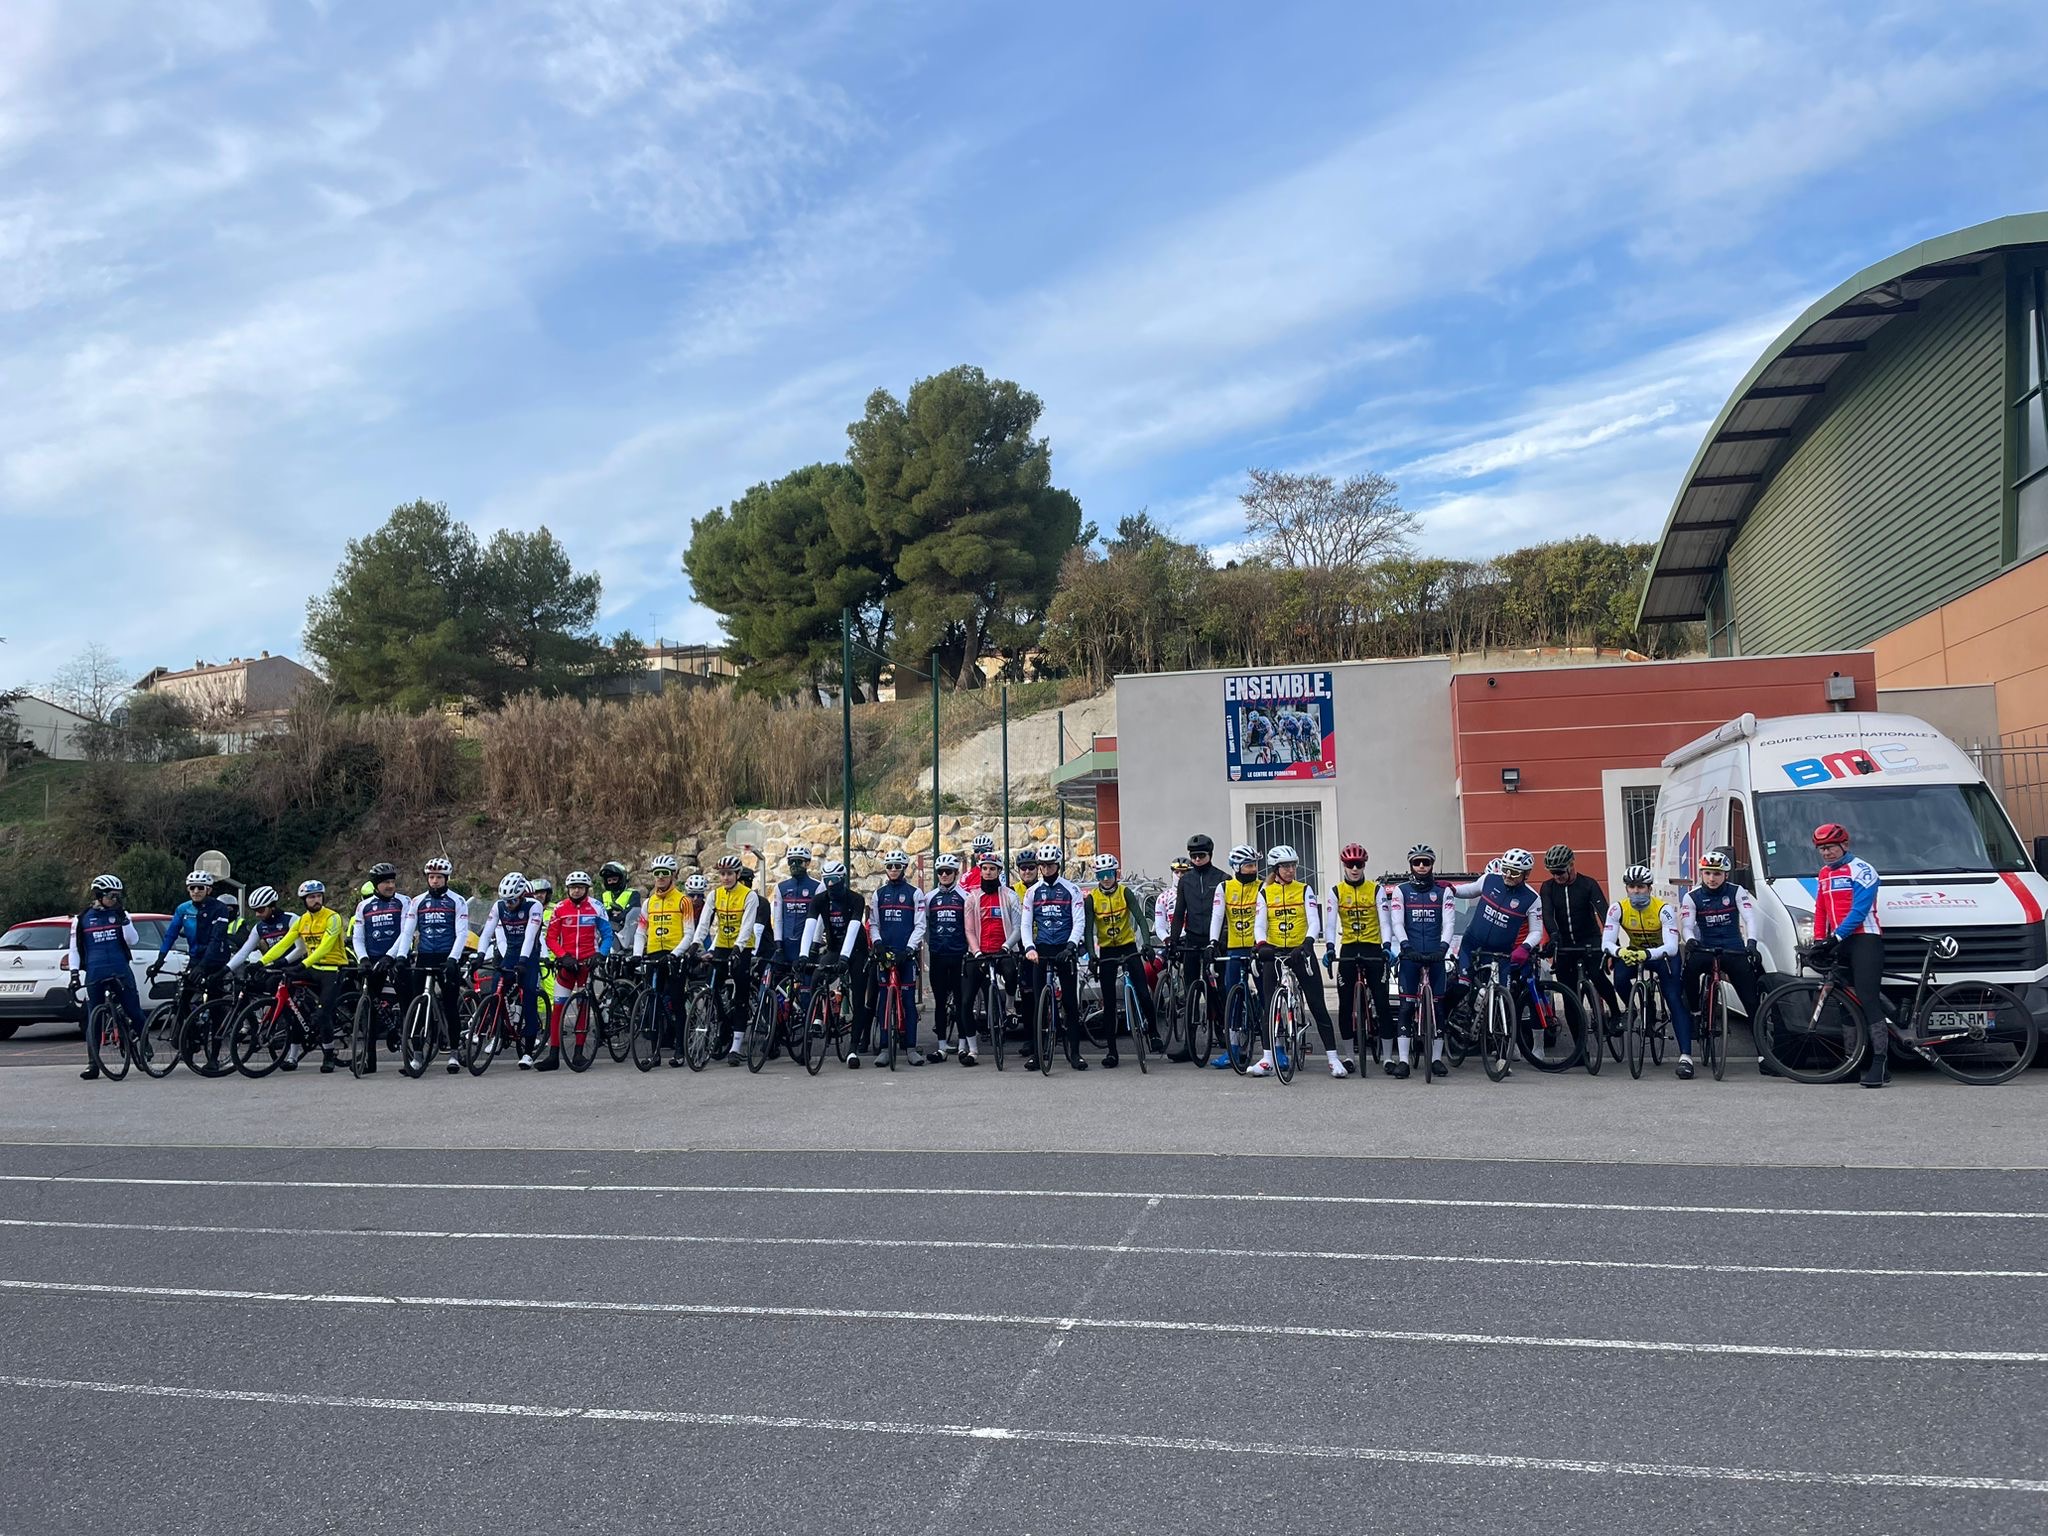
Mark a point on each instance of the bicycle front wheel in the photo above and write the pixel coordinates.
(1711, 1025)
(621, 1008)
(419, 1035)
(1045, 1027)
(112, 1030)
(156, 1048)
(580, 1031)
(1199, 1022)
(817, 1030)
(1136, 1019)
(1498, 1044)
(1636, 1033)
(994, 1021)
(258, 1037)
(1977, 1032)
(1544, 1031)
(1284, 1028)
(700, 1030)
(1425, 1031)
(489, 1029)
(643, 1036)
(206, 1038)
(362, 1035)
(1810, 1038)
(761, 1030)
(1593, 1031)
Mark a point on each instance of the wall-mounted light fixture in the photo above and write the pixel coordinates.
(1511, 779)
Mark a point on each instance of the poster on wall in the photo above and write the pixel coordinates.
(1279, 725)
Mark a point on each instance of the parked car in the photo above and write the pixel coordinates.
(36, 989)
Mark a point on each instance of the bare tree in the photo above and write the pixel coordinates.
(92, 684)
(1312, 522)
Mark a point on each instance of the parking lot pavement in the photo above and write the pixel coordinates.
(370, 1339)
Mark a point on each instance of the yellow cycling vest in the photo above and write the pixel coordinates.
(727, 908)
(1644, 929)
(1358, 912)
(1286, 915)
(667, 917)
(325, 935)
(1113, 929)
(1240, 913)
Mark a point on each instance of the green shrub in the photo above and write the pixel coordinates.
(155, 879)
(37, 885)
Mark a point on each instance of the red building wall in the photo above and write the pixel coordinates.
(1563, 726)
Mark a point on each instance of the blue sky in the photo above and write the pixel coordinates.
(267, 270)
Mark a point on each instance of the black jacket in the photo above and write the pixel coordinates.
(1194, 897)
(1574, 914)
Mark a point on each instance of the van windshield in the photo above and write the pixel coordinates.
(1900, 829)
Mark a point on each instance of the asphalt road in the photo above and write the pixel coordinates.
(343, 1338)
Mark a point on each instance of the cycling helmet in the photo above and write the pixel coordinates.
(895, 858)
(834, 872)
(228, 901)
(696, 885)
(1027, 855)
(1714, 858)
(946, 861)
(1830, 832)
(1636, 874)
(200, 878)
(1180, 864)
(799, 853)
(984, 845)
(439, 867)
(1105, 864)
(306, 888)
(1423, 853)
(512, 887)
(1518, 860)
(264, 896)
(613, 867)
(1243, 853)
(1282, 853)
(382, 872)
(1557, 855)
(730, 864)
(1201, 842)
(1351, 853)
(369, 889)
(578, 877)
(992, 861)
(662, 863)
(104, 885)
(1051, 853)
(542, 884)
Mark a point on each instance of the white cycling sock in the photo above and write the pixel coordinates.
(1401, 1050)
(1436, 1049)
(967, 1046)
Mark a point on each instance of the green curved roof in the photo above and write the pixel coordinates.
(1781, 392)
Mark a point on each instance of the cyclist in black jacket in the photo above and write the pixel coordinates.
(1194, 896)
(1574, 913)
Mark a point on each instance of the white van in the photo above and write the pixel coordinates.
(1917, 810)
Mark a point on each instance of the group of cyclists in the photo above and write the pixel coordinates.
(1238, 935)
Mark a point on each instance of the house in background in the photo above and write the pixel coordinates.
(50, 728)
(236, 700)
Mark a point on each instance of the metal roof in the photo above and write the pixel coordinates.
(1785, 389)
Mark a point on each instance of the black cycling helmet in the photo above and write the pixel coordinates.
(1201, 842)
(382, 872)
(611, 868)
(1556, 856)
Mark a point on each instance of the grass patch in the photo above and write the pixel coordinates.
(35, 792)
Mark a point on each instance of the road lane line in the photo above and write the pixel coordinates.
(1023, 1320)
(1345, 1256)
(1430, 1202)
(998, 1435)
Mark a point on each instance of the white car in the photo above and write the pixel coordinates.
(36, 989)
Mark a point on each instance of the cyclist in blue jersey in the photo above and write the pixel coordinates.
(1717, 921)
(103, 942)
(440, 938)
(946, 947)
(836, 931)
(789, 908)
(896, 927)
(202, 922)
(1051, 930)
(379, 936)
(267, 923)
(512, 930)
(1422, 922)
(1507, 914)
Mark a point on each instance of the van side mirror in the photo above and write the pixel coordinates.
(1745, 876)
(2041, 855)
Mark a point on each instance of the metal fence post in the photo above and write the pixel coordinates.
(1006, 780)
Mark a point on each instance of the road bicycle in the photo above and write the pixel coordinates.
(616, 991)
(1286, 1007)
(279, 1014)
(891, 1007)
(824, 1029)
(775, 1019)
(194, 1033)
(1428, 1023)
(1244, 1018)
(1054, 1018)
(576, 1022)
(1368, 1010)
(653, 1021)
(378, 1014)
(107, 1021)
(1493, 1013)
(1123, 1012)
(496, 1025)
(992, 1003)
(425, 1028)
(1977, 1032)
(1644, 1024)
(1543, 1025)
(1185, 1008)
(1710, 1013)
(1581, 996)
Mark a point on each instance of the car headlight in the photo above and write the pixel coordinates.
(1802, 917)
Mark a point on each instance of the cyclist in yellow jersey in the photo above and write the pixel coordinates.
(726, 929)
(1642, 929)
(316, 948)
(1118, 939)
(1289, 922)
(1354, 944)
(1233, 929)
(1026, 864)
(661, 928)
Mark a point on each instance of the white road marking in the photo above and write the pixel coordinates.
(1025, 1320)
(999, 1434)
(1203, 1196)
(427, 1234)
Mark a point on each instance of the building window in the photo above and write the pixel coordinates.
(1638, 824)
(2030, 418)
(1293, 824)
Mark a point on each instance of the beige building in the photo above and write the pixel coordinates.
(236, 699)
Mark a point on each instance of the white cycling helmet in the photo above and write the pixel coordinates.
(730, 864)
(1053, 854)
(201, 878)
(439, 867)
(1519, 860)
(264, 896)
(662, 862)
(312, 888)
(1105, 864)
(946, 861)
(1283, 853)
(799, 853)
(104, 885)
(579, 877)
(833, 870)
(1243, 853)
(1639, 874)
(1715, 859)
(512, 887)
(696, 885)
(984, 845)
(895, 858)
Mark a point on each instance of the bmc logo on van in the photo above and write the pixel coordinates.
(1855, 763)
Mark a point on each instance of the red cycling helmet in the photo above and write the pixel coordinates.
(1352, 853)
(1830, 832)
